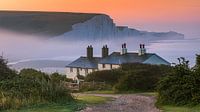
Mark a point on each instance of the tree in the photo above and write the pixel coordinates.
(5, 71)
(181, 86)
(33, 74)
(56, 77)
(108, 76)
(141, 77)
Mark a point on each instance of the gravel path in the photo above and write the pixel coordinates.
(125, 103)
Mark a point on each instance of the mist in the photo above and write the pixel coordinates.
(20, 47)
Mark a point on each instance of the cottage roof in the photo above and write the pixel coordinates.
(117, 58)
(84, 62)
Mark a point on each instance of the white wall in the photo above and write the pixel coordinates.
(107, 67)
(115, 66)
(82, 71)
(70, 74)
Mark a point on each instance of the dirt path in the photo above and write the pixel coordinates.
(125, 103)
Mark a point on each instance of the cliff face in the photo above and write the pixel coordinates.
(102, 27)
(74, 26)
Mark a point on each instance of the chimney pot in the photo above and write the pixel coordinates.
(105, 51)
(90, 52)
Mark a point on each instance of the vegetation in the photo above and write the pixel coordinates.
(140, 77)
(108, 76)
(131, 77)
(5, 72)
(171, 108)
(30, 87)
(91, 99)
(81, 102)
(181, 86)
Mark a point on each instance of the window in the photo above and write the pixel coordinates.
(103, 65)
(77, 70)
(71, 69)
(86, 71)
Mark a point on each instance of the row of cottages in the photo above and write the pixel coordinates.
(85, 65)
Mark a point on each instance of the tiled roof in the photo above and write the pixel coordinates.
(84, 62)
(117, 58)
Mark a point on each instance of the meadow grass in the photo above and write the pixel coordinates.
(81, 102)
(100, 92)
(91, 99)
(169, 108)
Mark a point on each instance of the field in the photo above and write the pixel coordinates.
(167, 108)
(82, 102)
(88, 99)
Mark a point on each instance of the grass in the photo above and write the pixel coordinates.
(82, 102)
(90, 99)
(149, 94)
(100, 92)
(48, 108)
(169, 108)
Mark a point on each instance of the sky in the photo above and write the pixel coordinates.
(153, 15)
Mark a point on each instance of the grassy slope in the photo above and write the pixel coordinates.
(41, 23)
(168, 108)
(82, 101)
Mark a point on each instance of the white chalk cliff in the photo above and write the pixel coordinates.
(102, 27)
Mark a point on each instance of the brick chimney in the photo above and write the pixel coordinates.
(142, 50)
(105, 51)
(124, 49)
(90, 52)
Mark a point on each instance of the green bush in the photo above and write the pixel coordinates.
(131, 77)
(181, 86)
(56, 77)
(108, 76)
(29, 87)
(5, 72)
(91, 86)
(142, 80)
(140, 77)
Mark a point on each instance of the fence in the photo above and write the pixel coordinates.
(85, 86)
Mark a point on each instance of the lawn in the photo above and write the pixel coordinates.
(100, 92)
(81, 102)
(91, 99)
(168, 108)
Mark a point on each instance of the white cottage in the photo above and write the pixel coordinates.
(85, 65)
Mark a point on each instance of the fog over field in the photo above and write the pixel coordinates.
(19, 47)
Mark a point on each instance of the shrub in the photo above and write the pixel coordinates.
(140, 77)
(142, 80)
(181, 86)
(91, 86)
(5, 72)
(108, 76)
(32, 87)
(56, 77)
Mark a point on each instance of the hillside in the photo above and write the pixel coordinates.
(41, 23)
(74, 26)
